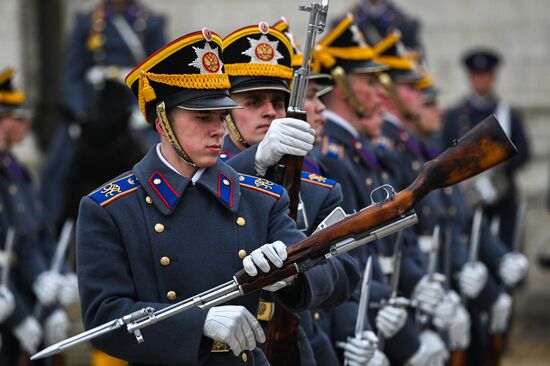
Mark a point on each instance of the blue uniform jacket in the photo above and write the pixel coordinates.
(150, 238)
(319, 196)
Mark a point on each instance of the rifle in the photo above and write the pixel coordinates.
(281, 346)
(480, 149)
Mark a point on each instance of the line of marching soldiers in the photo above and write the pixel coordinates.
(36, 284)
(438, 292)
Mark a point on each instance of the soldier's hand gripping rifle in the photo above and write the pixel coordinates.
(480, 149)
(281, 346)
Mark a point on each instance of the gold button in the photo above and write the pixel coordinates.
(358, 145)
(156, 181)
(13, 189)
(368, 181)
(452, 210)
(226, 182)
(241, 178)
(242, 253)
(316, 316)
(149, 200)
(223, 156)
(241, 221)
(426, 210)
(171, 295)
(165, 261)
(448, 191)
(159, 228)
(244, 357)
(415, 165)
(356, 159)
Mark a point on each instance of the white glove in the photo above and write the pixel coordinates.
(500, 313)
(432, 351)
(379, 359)
(56, 327)
(459, 329)
(429, 292)
(7, 303)
(390, 319)
(446, 310)
(513, 268)
(274, 253)
(46, 287)
(29, 334)
(358, 351)
(68, 290)
(472, 278)
(235, 326)
(285, 136)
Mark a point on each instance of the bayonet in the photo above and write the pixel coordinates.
(8, 253)
(363, 300)
(447, 257)
(475, 234)
(434, 252)
(396, 265)
(63, 244)
(518, 226)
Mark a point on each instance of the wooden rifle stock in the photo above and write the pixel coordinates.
(495, 349)
(281, 346)
(483, 147)
(456, 357)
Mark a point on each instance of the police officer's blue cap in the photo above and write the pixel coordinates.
(258, 57)
(481, 59)
(188, 73)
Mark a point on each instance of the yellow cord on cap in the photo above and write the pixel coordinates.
(326, 56)
(250, 69)
(12, 97)
(146, 92)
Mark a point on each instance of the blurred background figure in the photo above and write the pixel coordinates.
(496, 191)
(105, 44)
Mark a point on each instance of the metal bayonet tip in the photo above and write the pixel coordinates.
(48, 351)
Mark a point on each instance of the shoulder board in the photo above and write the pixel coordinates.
(225, 156)
(332, 149)
(261, 185)
(384, 144)
(115, 189)
(318, 180)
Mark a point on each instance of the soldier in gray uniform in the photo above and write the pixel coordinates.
(104, 45)
(263, 96)
(182, 222)
(33, 283)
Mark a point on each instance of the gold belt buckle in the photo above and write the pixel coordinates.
(265, 310)
(219, 346)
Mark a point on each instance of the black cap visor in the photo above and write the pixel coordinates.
(201, 100)
(240, 84)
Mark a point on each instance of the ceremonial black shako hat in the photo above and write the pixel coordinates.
(345, 46)
(187, 73)
(391, 52)
(12, 100)
(258, 57)
(481, 59)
